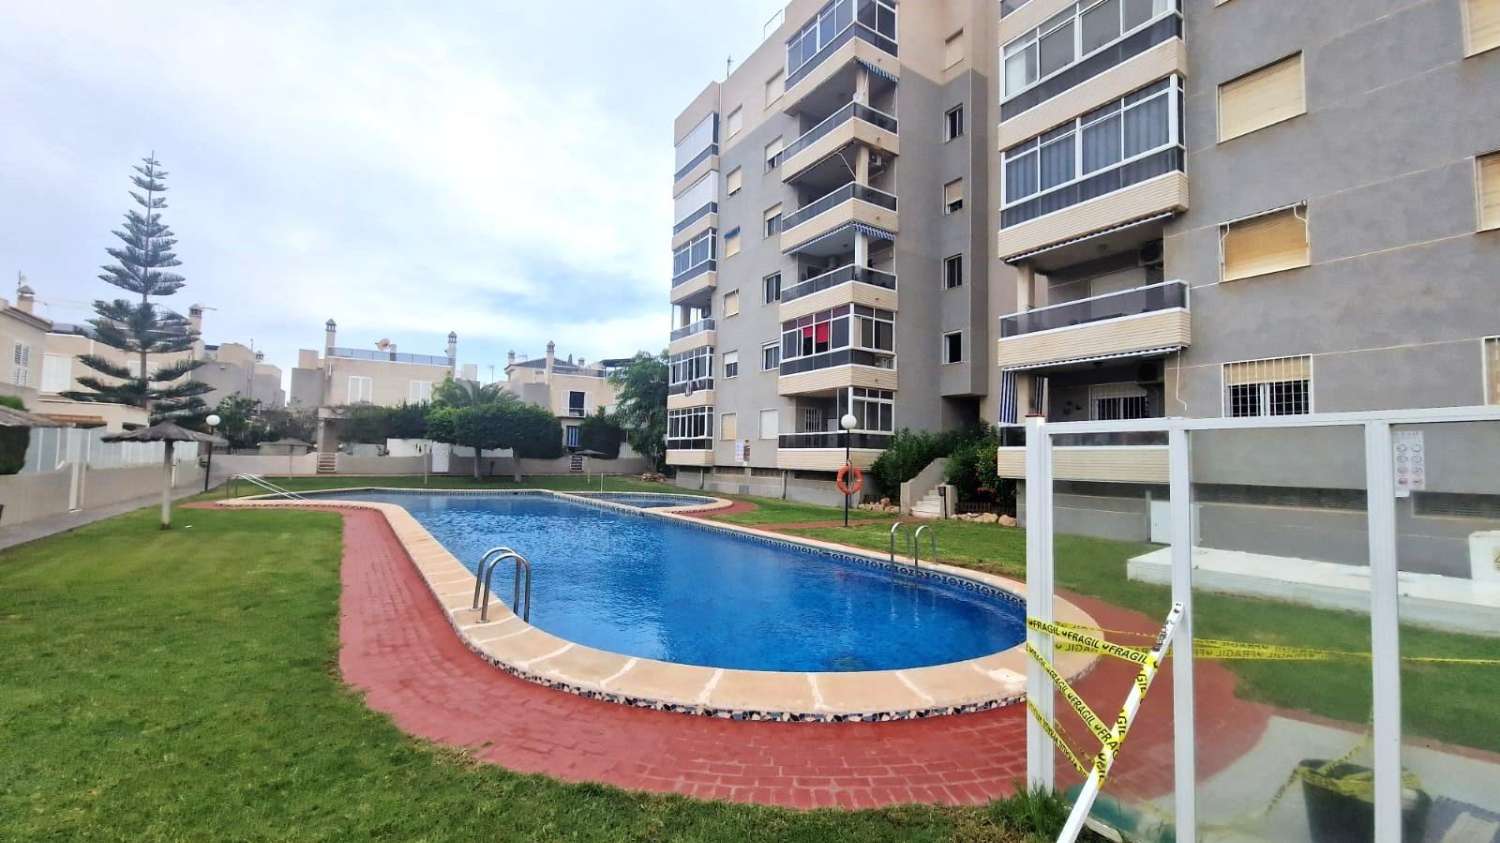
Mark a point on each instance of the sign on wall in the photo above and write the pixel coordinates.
(1410, 454)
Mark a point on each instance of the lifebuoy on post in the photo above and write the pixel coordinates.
(842, 480)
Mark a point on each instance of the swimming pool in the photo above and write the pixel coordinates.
(657, 588)
(648, 500)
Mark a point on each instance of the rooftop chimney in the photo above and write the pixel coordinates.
(551, 357)
(330, 336)
(25, 296)
(452, 347)
(510, 359)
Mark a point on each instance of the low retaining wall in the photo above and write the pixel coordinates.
(27, 497)
(817, 492)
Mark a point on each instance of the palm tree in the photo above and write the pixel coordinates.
(459, 394)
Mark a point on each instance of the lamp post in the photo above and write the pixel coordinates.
(847, 423)
(208, 470)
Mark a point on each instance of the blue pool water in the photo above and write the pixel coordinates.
(654, 588)
(650, 501)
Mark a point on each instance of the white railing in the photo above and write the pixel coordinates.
(52, 448)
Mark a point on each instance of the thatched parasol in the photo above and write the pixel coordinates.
(21, 418)
(170, 433)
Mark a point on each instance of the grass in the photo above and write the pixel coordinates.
(183, 686)
(776, 511)
(1451, 703)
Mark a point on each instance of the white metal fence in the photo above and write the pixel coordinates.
(54, 447)
(1434, 761)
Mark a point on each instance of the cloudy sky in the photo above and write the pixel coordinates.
(498, 169)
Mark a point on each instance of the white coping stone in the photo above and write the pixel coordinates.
(413, 536)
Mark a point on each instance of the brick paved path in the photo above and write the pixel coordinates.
(398, 648)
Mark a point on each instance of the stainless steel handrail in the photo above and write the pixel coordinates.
(262, 483)
(479, 571)
(521, 563)
(910, 542)
(916, 540)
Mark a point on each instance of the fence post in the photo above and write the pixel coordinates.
(1184, 725)
(1385, 639)
(1039, 561)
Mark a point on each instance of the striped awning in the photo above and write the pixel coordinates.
(1150, 352)
(879, 71)
(843, 230)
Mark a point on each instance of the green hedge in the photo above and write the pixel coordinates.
(13, 440)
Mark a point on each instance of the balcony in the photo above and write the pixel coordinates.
(834, 369)
(688, 337)
(843, 31)
(846, 285)
(1146, 320)
(825, 439)
(695, 393)
(685, 452)
(852, 203)
(1093, 463)
(816, 458)
(695, 282)
(390, 357)
(850, 124)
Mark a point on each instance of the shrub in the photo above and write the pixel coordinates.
(601, 433)
(971, 466)
(13, 440)
(909, 452)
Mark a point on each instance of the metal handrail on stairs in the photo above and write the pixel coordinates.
(916, 540)
(910, 542)
(523, 565)
(265, 485)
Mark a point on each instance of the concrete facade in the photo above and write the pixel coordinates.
(1388, 304)
(381, 375)
(236, 369)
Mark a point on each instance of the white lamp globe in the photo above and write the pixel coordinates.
(848, 422)
(213, 420)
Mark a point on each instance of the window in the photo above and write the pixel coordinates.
(1276, 387)
(775, 87)
(692, 367)
(691, 429)
(770, 356)
(21, 374)
(953, 123)
(57, 372)
(1481, 25)
(732, 303)
(1116, 401)
(771, 288)
(572, 434)
(418, 392)
(729, 427)
(734, 181)
(1489, 191)
(732, 243)
(1119, 136)
(1492, 370)
(1078, 31)
(874, 408)
(773, 154)
(736, 123)
(731, 364)
(953, 347)
(953, 49)
(577, 401)
(846, 326)
(1265, 244)
(953, 196)
(704, 193)
(770, 424)
(699, 140)
(953, 272)
(361, 389)
(878, 16)
(694, 254)
(1262, 98)
(773, 221)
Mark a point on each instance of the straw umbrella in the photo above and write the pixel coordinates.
(171, 434)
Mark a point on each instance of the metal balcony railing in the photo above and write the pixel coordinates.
(693, 272)
(838, 357)
(389, 356)
(856, 30)
(822, 439)
(1164, 296)
(690, 387)
(696, 328)
(836, 197)
(833, 278)
(833, 121)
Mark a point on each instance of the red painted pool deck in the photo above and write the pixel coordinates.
(398, 649)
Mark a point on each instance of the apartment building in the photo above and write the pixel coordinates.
(237, 369)
(572, 390)
(1252, 208)
(341, 375)
(832, 243)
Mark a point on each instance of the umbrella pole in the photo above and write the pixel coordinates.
(166, 486)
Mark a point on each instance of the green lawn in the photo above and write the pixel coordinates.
(776, 511)
(182, 685)
(1452, 703)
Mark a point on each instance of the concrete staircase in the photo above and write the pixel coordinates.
(328, 463)
(930, 506)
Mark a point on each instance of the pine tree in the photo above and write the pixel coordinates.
(144, 328)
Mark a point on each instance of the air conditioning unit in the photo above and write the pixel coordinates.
(1150, 254)
(877, 161)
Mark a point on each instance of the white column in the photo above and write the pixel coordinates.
(1184, 725)
(1025, 287)
(1039, 750)
(166, 486)
(1385, 640)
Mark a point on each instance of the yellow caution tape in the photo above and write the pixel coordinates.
(1052, 730)
(1081, 708)
(1094, 645)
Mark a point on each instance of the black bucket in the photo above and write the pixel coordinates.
(1335, 817)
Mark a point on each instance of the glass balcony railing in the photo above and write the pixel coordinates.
(710, 151)
(836, 197)
(696, 328)
(1164, 296)
(1095, 64)
(390, 356)
(690, 387)
(1014, 436)
(1009, 6)
(857, 439)
(872, 21)
(838, 357)
(842, 275)
(849, 112)
(706, 444)
(1120, 176)
(681, 226)
(689, 274)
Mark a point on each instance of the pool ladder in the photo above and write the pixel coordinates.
(487, 565)
(913, 542)
(263, 484)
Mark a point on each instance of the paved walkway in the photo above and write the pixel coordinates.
(41, 528)
(398, 648)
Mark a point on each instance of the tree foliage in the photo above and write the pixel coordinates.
(910, 451)
(642, 410)
(503, 423)
(13, 440)
(141, 328)
(239, 419)
(466, 393)
(600, 432)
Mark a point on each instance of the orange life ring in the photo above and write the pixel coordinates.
(844, 487)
